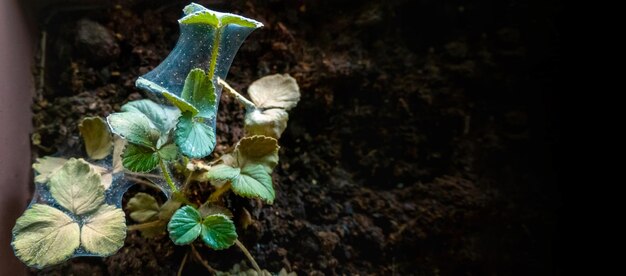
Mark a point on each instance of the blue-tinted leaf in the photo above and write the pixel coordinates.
(185, 225)
(193, 137)
(218, 231)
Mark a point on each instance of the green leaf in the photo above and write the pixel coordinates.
(193, 137)
(139, 158)
(104, 232)
(218, 231)
(223, 172)
(201, 17)
(46, 166)
(196, 14)
(143, 207)
(184, 106)
(200, 92)
(254, 181)
(162, 117)
(45, 236)
(168, 152)
(239, 20)
(134, 127)
(77, 187)
(269, 122)
(185, 225)
(97, 137)
(275, 91)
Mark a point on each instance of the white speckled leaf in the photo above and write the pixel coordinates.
(105, 230)
(45, 236)
(77, 187)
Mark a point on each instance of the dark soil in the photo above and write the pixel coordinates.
(422, 144)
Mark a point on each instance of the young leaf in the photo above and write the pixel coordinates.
(249, 170)
(275, 91)
(200, 92)
(134, 127)
(162, 117)
(77, 187)
(143, 207)
(97, 137)
(46, 166)
(254, 181)
(104, 232)
(168, 152)
(218, 231)
(45, 236)
(139, 158)
(196, 14)
(183, 106)
(193, 137)
(185, 225)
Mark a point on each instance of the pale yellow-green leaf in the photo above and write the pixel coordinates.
(96, 136)
(118, 148)
(275, 91)
(104, 231)
(270, 122)
(46, 166)
(77, 187)
(257, 149)
(45, 236)
(143, 207)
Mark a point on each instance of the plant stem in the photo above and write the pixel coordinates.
(168, 177)
(201, 260)
(214, 52)
(250, 258)
(182, 265)
(144, 225)
(144, 182)
(247, 103)
(215, 196)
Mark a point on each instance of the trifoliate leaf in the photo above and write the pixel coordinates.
(254, 181)
(46, 166)
(218, 231)
(183, 106)
(200, 92)
(45, 236)
(143, 207)
(139, 158)
(168, 152)
(163, 118)
(275, 91)
(193, 137)
(77, 187)
(104, 231)
(97, 137)
(168, 209)
(269, 122)
(185, 225)
(134, 127)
